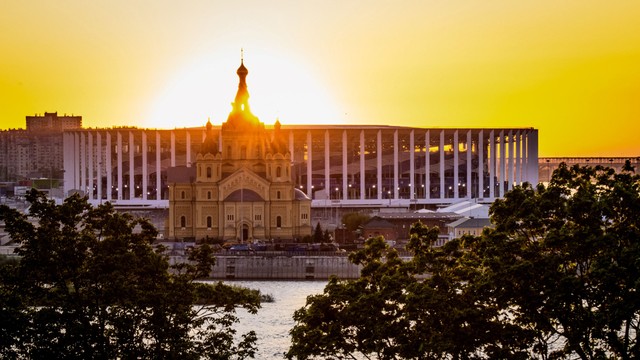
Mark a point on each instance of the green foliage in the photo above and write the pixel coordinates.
(352, 221)
(566, 260)
(394, 311)
(317, 234)
(326, 236)
(90, 287)
(558, 278)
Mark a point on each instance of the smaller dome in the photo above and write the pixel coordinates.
(209, 145)
(279, 144)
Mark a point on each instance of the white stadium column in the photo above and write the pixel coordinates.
(99, 153)
(145, 164)
(362, 168)
(91, 161)
(327, 165)
(158, 168)
(503, 163)
(427, 165)
(511, 176)
(396, 178)
(109, 168)
(492, 164)
(345, 169)
(518, 178)
(456, 163)
(83, 164)
(132, 167)
(481, 164)
(119, 162)
(412, 165)
(68, 161)
(441, 149)
(379, 163)
(77, 154)
(309, 165)
(468, 186)
(532, 156)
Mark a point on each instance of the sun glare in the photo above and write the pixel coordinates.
(278, 87)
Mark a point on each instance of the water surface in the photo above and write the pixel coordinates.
(274, 320)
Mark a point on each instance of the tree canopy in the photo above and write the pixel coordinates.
(558, 277)
(89, 285)
(354, 220)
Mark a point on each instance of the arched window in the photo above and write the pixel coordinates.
(199, 170)
(209, 221)
(209, 195)
(278, 194)
(183, 195)
(208, 172)
(229, 152)
(278, 221)
(278, 171)
(183, 221)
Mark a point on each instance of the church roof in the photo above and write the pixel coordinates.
(377, 223)
(244, 195)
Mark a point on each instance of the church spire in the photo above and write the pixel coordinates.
(241, 102)
(241, 117)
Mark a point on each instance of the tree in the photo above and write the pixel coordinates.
(565, 260)
(317, 234)
(326, 236)
(89, 285)
(557, 278)
(393, 311)
(354, 220)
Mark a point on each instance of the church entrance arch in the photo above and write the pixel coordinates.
(243, 232)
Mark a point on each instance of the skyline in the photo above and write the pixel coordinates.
(569, 70)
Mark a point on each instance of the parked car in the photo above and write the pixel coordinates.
(241, 247)
(227, 245)
(259, 247)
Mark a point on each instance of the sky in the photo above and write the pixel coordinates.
(570, 69)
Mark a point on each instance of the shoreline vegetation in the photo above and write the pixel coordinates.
(557, 277)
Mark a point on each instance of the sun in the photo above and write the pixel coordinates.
(279, 88)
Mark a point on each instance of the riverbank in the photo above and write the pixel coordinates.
(280, 266)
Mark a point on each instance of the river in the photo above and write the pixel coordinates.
(274, 320)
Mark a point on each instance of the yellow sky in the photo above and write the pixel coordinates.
(568, 68)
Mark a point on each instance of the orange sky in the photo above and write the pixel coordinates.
(568, 68)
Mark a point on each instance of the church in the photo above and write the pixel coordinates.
(240, 187)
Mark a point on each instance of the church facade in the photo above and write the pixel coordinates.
(240, 188)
